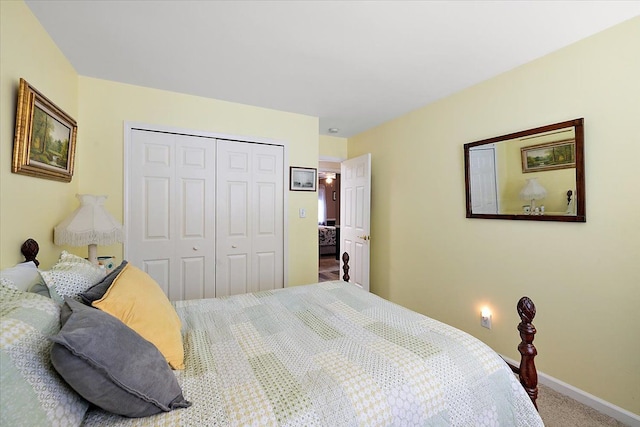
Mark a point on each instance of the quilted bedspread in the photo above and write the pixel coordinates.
(331, 354)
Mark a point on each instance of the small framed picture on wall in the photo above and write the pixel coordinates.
(302, 179)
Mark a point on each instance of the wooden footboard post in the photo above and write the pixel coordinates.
(345, 267)
(528, 374)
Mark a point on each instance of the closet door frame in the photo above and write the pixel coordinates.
(129, 127)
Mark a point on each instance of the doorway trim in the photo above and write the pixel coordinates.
(129, 126)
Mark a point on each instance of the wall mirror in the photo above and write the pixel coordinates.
(534, 175)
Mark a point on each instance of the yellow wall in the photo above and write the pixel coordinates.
(106, 105)
(584, 278)
(31, 207)
(333, 147)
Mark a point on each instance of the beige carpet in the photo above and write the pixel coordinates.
(558, 410)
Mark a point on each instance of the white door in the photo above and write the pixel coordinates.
(250, 218)
(170, 223)
(484, 194)
(355, 215)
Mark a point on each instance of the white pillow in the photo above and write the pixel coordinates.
(72, 275)
(22, 276)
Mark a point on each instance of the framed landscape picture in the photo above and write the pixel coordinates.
(45, 137)
(549, 156)
(302, 179)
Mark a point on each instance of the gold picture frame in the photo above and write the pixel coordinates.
(45, 137)
(549, 156)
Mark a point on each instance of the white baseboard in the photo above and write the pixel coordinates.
(600, 405)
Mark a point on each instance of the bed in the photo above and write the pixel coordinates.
(325, 354)
(327, 240)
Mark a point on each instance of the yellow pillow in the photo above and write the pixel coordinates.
(139, 302)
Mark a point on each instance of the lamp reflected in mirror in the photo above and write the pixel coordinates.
(533, 191)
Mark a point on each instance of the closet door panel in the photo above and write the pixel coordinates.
(266, 268)
(193, 277)
(159, 269)
(156, 209)
(150, 229)
(233, 246)
(268, 225)
(249, 217)
(172, 216)
(238, 274)
(195, 218)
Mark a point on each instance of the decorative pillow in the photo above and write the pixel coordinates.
(22, 276)
(33, 394)
(41, 288)
(7, 283)
(112, 366)
(138, 301)
(98, 290)
(72, 275)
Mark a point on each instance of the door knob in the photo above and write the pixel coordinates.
(233, 246)
(364, 237)
(195, 248)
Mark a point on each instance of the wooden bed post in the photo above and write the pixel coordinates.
(30, 251)
(345, 267)
(527, 372)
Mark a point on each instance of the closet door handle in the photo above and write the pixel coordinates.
(195, 248)
(233, 246)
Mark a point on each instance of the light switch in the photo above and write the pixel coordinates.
(303, 213)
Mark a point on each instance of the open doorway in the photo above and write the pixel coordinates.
(329, 221)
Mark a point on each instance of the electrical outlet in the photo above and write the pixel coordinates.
(485, 320)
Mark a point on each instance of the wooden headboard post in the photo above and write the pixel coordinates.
(527, 372)
(30, 251)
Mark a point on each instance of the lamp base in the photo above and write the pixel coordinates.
(93, 254)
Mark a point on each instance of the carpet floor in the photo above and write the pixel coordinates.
(558, 410)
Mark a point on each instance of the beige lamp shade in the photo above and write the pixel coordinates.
(91, 224)
(533, 190)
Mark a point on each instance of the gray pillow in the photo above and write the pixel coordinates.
(98, 290)
(112, 366)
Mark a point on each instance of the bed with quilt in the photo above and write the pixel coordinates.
(83, 348)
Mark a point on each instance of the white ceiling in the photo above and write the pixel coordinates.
(353, 64)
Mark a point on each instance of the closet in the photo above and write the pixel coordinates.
(204, 216)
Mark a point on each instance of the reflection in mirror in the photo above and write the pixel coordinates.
(536, 174)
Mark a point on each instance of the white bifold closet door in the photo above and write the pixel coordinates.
(200, 227)
(249, 218)
(171, 234)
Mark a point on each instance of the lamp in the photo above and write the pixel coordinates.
(533, 191)
(91, 224)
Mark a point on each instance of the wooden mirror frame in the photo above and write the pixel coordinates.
(578, 125)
